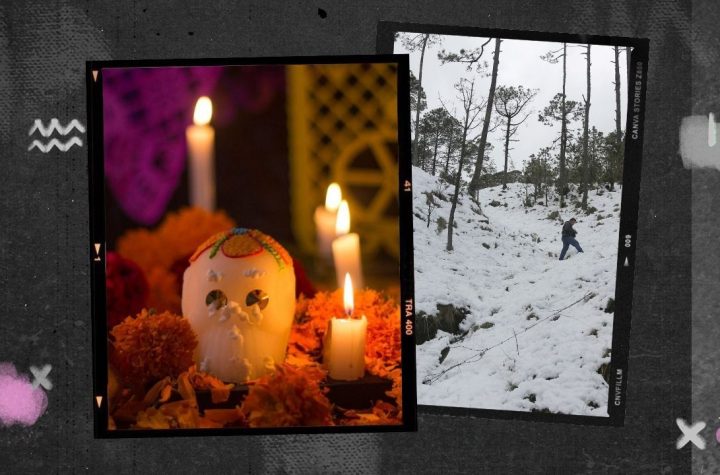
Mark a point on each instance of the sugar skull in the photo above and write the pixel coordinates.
(239, 296)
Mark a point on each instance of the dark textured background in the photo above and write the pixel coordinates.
(705, 237)
(44, 248)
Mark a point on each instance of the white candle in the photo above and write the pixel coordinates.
(344, 346)
(201, 150)
(325, 217)
(346, 249)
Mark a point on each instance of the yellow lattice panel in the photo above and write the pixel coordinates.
(343, 128)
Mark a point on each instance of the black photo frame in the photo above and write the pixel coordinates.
(97, 244)
(634, 120)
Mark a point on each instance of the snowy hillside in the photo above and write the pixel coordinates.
(518, 352)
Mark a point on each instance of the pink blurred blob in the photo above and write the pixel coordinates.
(20, 403)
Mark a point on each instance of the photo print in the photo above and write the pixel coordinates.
(246, 225)
(526, 152)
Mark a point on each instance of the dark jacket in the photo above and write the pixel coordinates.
(568, 230)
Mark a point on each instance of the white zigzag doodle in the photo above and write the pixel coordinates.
(55, 125)
(63, 147)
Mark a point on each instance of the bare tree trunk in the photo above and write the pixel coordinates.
(586, 158)
(434, 163)
(478, 166)
(419, 90)
(526, 195)
(475, 181)
(449, 153)
(563, 132)
(507, 150)
(545, 179)
(421, 156)
(430, 208)
(451, 219)
(468, 105)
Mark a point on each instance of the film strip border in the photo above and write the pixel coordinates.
(98, 249)
(637, 79)
(632, 167)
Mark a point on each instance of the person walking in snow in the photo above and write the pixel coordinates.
(568, 237)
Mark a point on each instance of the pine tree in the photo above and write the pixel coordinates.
(510, 104)
(434, 123)
(453, 130)
(566, 111)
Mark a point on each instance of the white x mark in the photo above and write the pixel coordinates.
(40, 377)
(690, 434)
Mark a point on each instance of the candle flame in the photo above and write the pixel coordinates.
(203, 111)
(348, 295)
(333, 197)
(342, 222)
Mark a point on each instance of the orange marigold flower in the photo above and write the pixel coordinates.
(151, 347)
(288, 397)
(179, 234)
(158, 251)
(186, 229)
(164, 296)
(382, 347)
(143, 247)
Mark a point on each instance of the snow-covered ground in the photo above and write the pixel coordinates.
(507, 272)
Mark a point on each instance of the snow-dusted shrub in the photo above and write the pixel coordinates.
(441, 224)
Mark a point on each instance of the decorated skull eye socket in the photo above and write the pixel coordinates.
(217, 298)
(259, 297)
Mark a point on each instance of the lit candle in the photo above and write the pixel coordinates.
(201, 150)
(325, 217)
(346, 248)
(344, 346)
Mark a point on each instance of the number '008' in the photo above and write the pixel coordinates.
(628, 240)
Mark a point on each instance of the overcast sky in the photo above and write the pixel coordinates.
(520, 64)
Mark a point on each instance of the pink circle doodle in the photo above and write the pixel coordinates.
(20, 403)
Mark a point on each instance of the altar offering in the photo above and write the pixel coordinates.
(239, 297)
